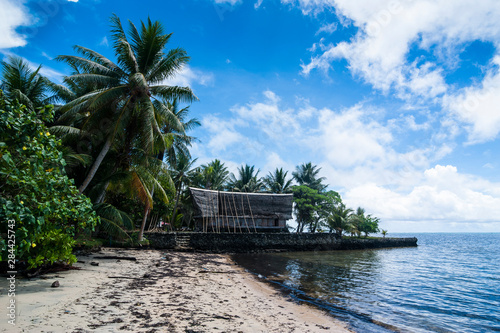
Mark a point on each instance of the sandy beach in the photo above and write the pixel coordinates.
(159, 292)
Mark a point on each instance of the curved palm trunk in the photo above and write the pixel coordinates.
(143, 224)
(176, 204)
(101, 196)
(96, 164)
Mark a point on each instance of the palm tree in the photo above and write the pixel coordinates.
(247, 181)
(339, 220)
(307, 174)
(125, 92)
(383, 232)
(181, 172)
(357, 220)
(277, 183)
(211, 176)
(21, 82)
(176, 135)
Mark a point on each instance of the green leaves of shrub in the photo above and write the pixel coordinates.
(34, 190)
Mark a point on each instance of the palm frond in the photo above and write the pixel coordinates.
(183, 94)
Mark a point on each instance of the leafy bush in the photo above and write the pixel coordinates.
(42, 204)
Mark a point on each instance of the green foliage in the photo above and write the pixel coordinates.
(247, 180)
(340, 219)
(307, 174)
(369, 225)
(277, 183)
(306, 202)
(35, 192)
(211, 176)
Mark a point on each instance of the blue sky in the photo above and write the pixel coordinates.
(397, 101)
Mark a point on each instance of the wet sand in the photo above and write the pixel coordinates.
(160, 292)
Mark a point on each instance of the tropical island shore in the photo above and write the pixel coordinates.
(159, 292)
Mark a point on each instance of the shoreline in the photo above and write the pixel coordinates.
(161, 291)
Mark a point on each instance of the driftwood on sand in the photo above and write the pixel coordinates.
(116, 257)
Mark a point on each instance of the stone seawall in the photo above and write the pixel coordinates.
(260, 242)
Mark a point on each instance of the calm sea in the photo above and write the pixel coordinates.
(449, 283)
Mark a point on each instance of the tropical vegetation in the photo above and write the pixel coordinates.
(105, 154)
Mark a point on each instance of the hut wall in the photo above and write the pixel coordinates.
(228, 223)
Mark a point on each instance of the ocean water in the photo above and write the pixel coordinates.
(449, 283)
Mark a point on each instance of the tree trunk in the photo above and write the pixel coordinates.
(175, 206)
(145, 218)
(143, 224)
(96, 164)
(101, 196)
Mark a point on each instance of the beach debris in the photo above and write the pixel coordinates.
(93, 263)
(124, 277)
(116, 257)
(55, 284)
(81, 262)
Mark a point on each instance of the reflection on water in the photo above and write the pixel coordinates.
(450, 283)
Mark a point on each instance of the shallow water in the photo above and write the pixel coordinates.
(449, 283)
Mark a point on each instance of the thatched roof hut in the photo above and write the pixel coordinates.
(232, 210)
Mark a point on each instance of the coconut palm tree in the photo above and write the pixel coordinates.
(357, 221)
(181, 173)
(125, 92)
(277, 183)
(177, 135)
(339, 220)
(21, 82)
(307, 174)
(211, 176)
(247, 180)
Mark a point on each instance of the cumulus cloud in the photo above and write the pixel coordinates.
(189, 76)
(441, 193)
(389, 29)
(477, 106)
(230, 2)
(12, 16)
(223, 133)
(357, 150)
(350, 138)
(269, 117)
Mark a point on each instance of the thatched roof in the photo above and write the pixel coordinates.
(259, 205)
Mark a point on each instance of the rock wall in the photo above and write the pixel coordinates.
(161, 240)
(258, 242)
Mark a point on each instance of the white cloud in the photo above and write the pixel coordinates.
(273, 161)
(350, 138)
(13, 14)
(275, 122)
(311, 6)
(327, 28)
(441, 193)
(257, 4)
(230, 2)
(387, 31)
(478, 107)
(189, 76)
(356, 149)
(104, 41)
(223, 133)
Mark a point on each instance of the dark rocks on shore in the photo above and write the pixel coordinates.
(274, 242)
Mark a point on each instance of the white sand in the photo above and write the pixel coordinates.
(160, 292)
